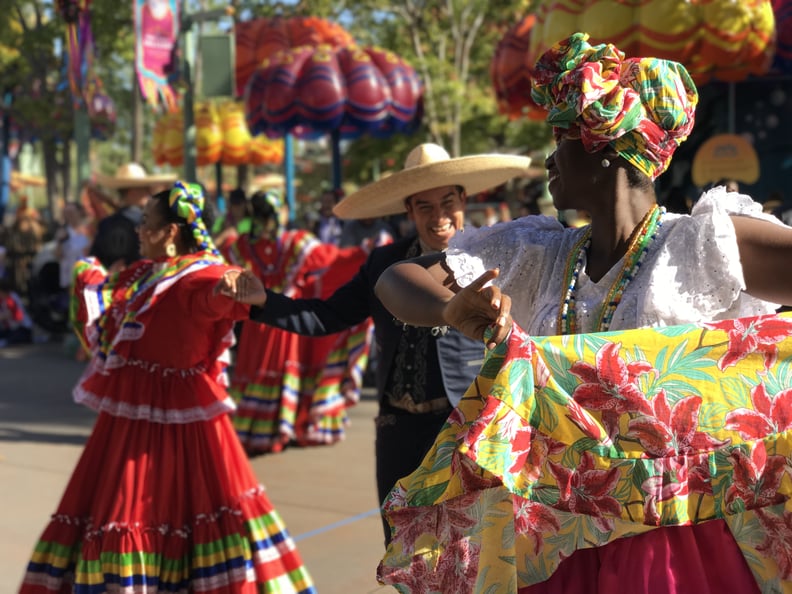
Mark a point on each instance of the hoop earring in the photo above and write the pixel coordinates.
(605, 163)
(170, 250)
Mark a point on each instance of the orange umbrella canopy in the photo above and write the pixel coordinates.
(259, 39)
(726, 40)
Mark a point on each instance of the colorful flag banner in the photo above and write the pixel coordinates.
(156, 34)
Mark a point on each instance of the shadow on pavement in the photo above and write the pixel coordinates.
(20, 435)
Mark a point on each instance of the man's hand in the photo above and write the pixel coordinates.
(243, 286)
(478, 307)
(117, 266)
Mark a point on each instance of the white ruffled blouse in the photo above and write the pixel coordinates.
(691, 273)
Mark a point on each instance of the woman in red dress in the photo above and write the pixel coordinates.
(163, 498)
(291, 388)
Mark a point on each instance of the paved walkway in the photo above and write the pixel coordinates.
(326, 495)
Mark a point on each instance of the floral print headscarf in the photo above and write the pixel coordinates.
(643, 107)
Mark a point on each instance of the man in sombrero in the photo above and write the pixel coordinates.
(116, 243)
(421, 372)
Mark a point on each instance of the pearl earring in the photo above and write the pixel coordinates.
(170, 250)
(605, 163)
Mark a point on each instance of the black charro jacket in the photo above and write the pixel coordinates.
(460, 357)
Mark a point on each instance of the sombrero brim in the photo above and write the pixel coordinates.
(109, 181)
(475, 173)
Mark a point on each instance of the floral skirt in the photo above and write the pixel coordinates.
(647, 461)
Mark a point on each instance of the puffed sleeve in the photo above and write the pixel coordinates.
(90, 294)
(200, 300)
(518, 248)
(702, 261)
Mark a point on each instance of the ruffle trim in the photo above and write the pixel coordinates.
(141, 412)
(220, 552)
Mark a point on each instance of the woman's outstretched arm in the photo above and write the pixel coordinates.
(422, 292)
(766, 256)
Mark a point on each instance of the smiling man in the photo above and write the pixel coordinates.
(421, 372)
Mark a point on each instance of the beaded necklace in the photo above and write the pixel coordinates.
(636, 252)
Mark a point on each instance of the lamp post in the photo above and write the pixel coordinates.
(187, 54)
(5, 153)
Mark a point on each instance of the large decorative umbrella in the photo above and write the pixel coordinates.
(783, 18)
(342, 91)
(715, 39)
(259, 39)
(221, 137)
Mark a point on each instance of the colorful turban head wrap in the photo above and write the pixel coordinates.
(643, 107)
(187, 202)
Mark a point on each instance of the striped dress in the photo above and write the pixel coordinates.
(290, 388)
(163, 498)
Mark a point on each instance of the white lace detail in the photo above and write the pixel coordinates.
(692, 274)
(146, 412)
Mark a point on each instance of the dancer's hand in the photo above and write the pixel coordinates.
(478, 307)
(243, 286)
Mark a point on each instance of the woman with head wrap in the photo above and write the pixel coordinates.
(163, 497)
(642, 460)
(290, 388)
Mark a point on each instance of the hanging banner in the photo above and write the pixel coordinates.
(156, 33)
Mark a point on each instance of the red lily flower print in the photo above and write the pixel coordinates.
(521, 345)
(416, 577)
(756, 478)
(778, 540)
(611, 386)
(530, 461)
(534, 519)
(677, 476)
(456, 418)
(759, 334)
(457, 567)
(471, 476)
(771, 415)
(585, 489)
(671, 431)
(657, 489)
(474, 432)
(587, 423)
(448, 521)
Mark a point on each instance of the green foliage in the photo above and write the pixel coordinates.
(450, 45)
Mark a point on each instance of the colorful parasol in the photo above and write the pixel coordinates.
(259, 39)
(783, 18)
(715, 39)
(350, 90)
(221, 136)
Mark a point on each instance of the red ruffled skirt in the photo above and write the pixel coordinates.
(172, 507)
(290, 388)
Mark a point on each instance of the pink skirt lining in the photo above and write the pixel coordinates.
(701, 559)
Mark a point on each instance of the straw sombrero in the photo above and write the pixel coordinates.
(428, 166)
(132, 175)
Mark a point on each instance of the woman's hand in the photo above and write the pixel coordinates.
(478, 307)
(243, 286)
